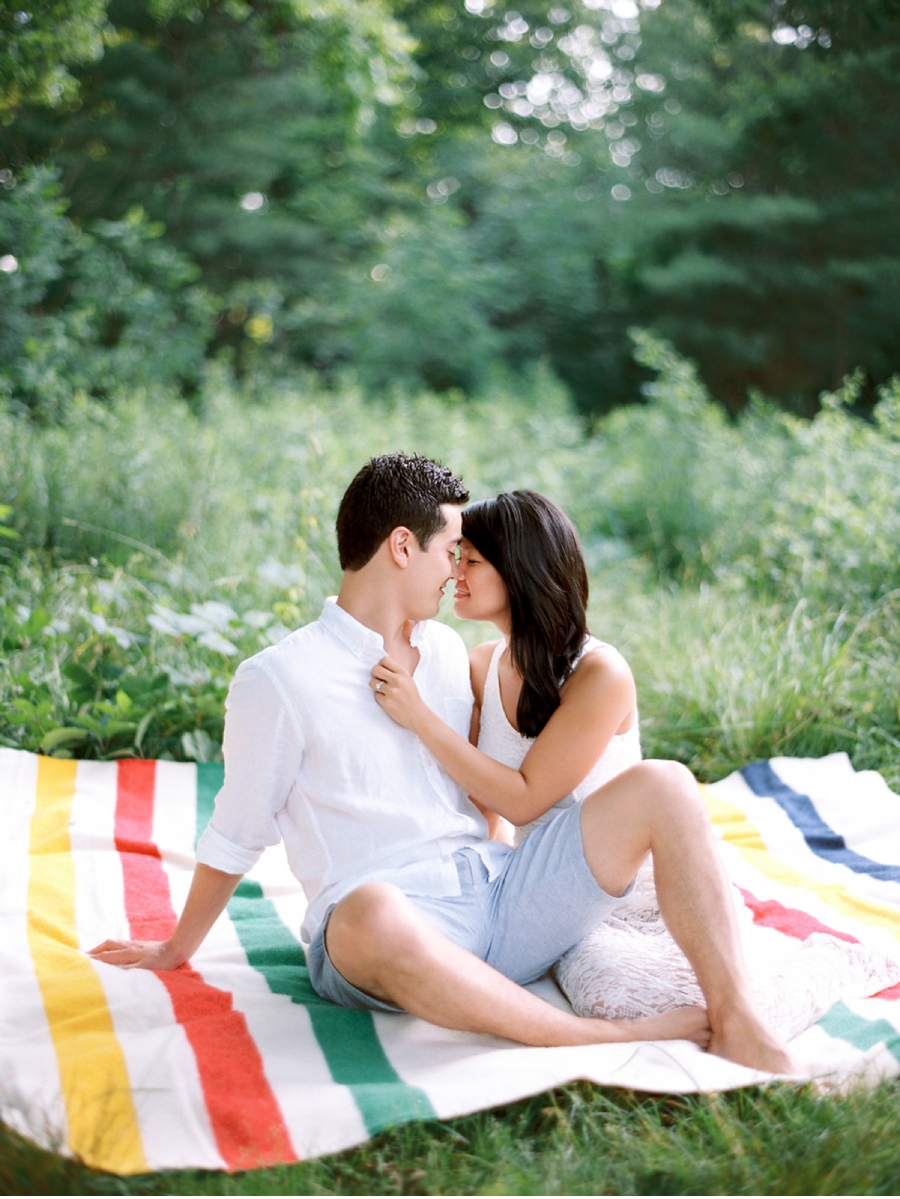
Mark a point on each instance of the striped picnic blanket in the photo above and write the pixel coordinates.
(233, 1062)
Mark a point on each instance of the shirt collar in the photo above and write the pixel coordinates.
(358, 638)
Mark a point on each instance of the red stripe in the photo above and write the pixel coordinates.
(795, 923)
(790, 921)
(244, 1113)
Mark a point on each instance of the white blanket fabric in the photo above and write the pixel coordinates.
(234, 1062)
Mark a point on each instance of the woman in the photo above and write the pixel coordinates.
(555, 710)
(555, 713)
(555, 718)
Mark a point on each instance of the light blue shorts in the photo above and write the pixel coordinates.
(519, 911)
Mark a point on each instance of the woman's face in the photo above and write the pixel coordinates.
(480, 592)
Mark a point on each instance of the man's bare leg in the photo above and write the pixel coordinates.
(380, 942)
(657, 806)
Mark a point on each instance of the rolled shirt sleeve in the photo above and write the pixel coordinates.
(263, 749)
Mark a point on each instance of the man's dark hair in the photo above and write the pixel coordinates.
(389, 491)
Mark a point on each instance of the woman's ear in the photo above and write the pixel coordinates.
(399, 543)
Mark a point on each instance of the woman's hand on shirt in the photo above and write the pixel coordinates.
(397, 694)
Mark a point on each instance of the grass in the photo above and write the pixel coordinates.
(724, 680)
(757, 605)
(574, 1140)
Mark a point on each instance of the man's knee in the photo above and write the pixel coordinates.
(642, 789)
(369, 928)
(676, 801)
(660, 782)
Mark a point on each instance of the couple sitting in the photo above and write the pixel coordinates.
(354, 741)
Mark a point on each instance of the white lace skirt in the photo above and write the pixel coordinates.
(630, 966)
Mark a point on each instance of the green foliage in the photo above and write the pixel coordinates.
(423, 313)
(89, 311)
(833, 527)
(768, 249)
(38, 45)
(794, 509)
(5, 531)
(236, 129)
(158, 545)
(536, 181)
(85, 686)
(228, 488)
(724, 679)
(682, 442)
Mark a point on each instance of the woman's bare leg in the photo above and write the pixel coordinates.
(380, 942)
(656, 806)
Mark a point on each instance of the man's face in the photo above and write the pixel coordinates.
(430, 569)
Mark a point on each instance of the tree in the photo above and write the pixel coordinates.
(38, 45)
(96, 312)
(239, 128)
(416, 188)
(767, 246)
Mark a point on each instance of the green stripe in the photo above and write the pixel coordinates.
(863, 1034)
(347, 1038)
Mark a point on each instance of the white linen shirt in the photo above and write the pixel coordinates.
(310, 758)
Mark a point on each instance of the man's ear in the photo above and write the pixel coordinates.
(400, 543)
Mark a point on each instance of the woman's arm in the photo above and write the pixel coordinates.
(595, 704)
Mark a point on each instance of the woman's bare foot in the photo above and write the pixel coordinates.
(740, 1036)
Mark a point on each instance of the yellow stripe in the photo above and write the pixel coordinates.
(738, 831)
(102, 1121)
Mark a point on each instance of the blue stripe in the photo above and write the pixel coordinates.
(820, 837)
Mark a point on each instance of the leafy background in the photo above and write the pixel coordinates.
(641, 255)
(409, 192)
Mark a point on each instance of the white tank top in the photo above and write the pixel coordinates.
(498, 739)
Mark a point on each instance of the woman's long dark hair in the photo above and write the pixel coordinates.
(534, 547)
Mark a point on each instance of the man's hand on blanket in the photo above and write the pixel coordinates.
(210, 891)
(143, 955)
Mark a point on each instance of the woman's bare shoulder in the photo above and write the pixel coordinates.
(602, 666)
(602, 651)
(603, 680)
(479, 661)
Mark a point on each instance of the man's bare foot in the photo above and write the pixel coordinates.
(682, 1024)
(743, 1038)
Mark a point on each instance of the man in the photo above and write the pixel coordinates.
(410, 907)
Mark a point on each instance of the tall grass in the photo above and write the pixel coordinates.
(724, 680)
(572, 1141)
(748, 570)
(222, 492)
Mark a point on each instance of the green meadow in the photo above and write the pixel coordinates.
(746, 567)
(640, 255)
